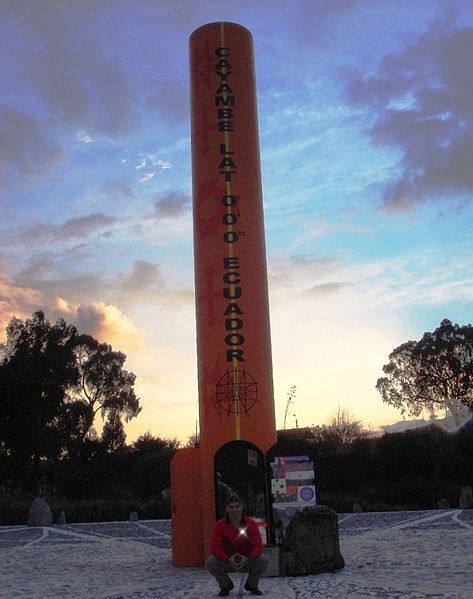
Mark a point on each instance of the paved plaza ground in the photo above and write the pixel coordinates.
(388, 555)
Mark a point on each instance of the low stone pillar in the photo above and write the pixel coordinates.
(312, 545)
(466, 499)
(356, 507)
(61, 519)
(40, 513)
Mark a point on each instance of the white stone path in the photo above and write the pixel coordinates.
(414, 555)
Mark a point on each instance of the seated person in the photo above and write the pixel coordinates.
(236, 546)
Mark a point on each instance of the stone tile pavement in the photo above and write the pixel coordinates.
(412, 555)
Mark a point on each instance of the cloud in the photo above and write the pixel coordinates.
(324, 289)
(297, 273)
(170, 99)
(427, 279)
(16, 300)
(172, 205)
(321, 227)
(422, 100)
(105, 322)
(70, 67)
(146, 177)
(143, 277)
(55, 275)
(119, 189)
(146, 283)
(152, 165)
(72, 71)
(76, 228)
(24, 143)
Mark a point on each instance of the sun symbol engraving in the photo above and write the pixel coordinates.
(236, 392)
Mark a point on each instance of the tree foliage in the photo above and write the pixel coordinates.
(193, 440)
(36, 369)
(113, 434)
(435, 372)
(53, 381)
(103, 384)
(148, 443)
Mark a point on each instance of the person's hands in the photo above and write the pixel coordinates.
(237, 561)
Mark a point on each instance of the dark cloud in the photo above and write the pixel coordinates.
(89, 318)
(146, 283)
(422, 100)
(46, 276)
(297, 273)
(83, 226)
(68, 66)
(172, 205)
(170, 100)
(58, 275)
(72, 229)
(143, 276)
(119, 189)
(24, 143)
(73, 72)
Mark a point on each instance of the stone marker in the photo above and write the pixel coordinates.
(312, 544)
(466, 498)
(40, 513)
(134, 517)
(61, 519)
(356, 508)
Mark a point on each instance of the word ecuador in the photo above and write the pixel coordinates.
(227, 168)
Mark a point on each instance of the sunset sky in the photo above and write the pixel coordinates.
(366, 127)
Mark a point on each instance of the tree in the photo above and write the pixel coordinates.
(341, 429)
(147, 443)
(52, 384)
(103, 383)
(113, 434)
(151, 467)
(193, 440)
(36, 369)
(435, 372)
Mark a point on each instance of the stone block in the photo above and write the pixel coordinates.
(312, 543)
(272, 553)
(40, 513)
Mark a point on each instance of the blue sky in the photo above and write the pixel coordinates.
(366, 127)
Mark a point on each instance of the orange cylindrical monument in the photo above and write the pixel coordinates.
(233, 336)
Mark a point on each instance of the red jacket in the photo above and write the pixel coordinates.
(227, 540)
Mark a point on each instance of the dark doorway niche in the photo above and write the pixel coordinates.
(240, 468)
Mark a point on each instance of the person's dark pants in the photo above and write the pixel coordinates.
(220, 569)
